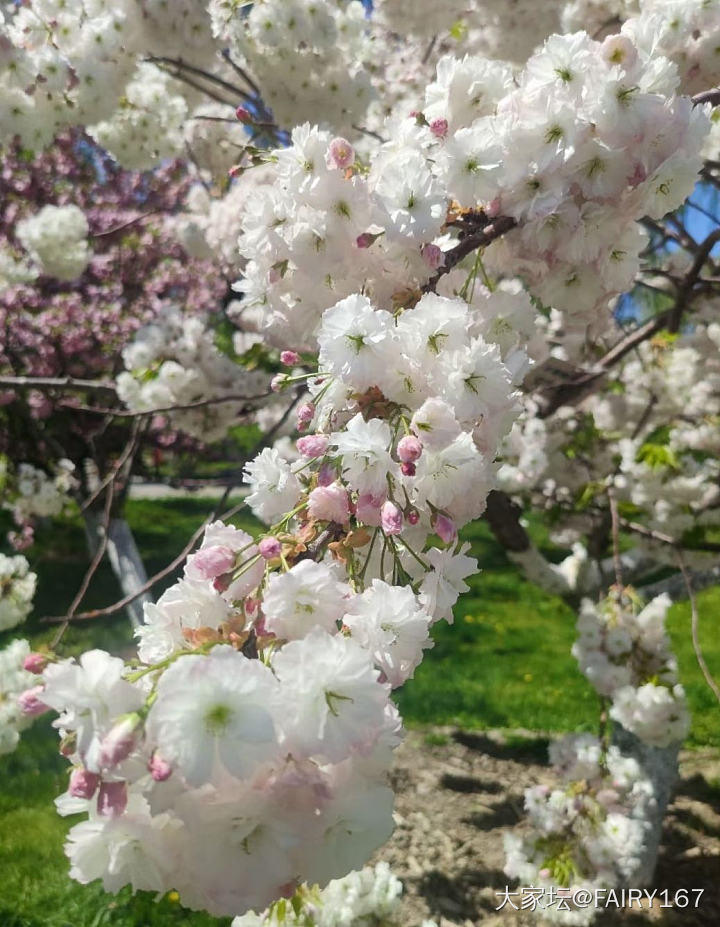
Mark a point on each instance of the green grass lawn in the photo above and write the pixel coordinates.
(505, 663)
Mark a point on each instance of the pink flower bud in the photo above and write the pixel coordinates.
(326, 475)
(112, 799)
(391, 518)
(278, 382)
(120, 741)
(35, 663)
(544, 873)
(270, 548)
(330, 503)
(305, 414)
(243, 114)
(160, 769)
(367, 510)
(29, 702)
(313, 445)
(222, 583)
(365, 239)
(439, 128)
(433, 256)
(408, 469)
(289, 358)
(445, 528)
(210, 562)
(83, 783)
(409, 449)
(340, 154)
(413, 516)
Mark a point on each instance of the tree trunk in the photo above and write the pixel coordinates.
(660, 765)
(124, 559)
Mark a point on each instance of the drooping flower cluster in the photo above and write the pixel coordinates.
(277, 763)
(14, 680)
(625, 653)
(365, 898)
(17, 588)
(174, 362)
(588, 833)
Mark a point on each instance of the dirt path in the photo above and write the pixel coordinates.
(458, 792)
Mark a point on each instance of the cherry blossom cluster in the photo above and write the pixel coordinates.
(56, 241)
(590, 141)
(31, 493)
(685, 31)
(624, 651)
(174, 362)
(322, 230)
(492, 28)
(586, 833)
(72, 63)
(586, 141)
(148, 125)
(307, 57)
(652, 437)
(363, 898)
(669, 461)
(17, 588)
(14, 680)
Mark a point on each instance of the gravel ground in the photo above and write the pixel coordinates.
(457, 793)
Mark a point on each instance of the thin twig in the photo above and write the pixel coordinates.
(694, 627)
(125, 225)
(198, 404)
(200, 72)
(241, 72)
(429, 50)
(91, 570)
(127, 453)
(617, 561)
(71, 384)
(216, 513)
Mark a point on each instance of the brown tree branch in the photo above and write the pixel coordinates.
(468, 243)
(70, 384)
